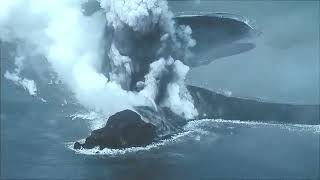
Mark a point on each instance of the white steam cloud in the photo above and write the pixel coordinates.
(28, 85)
(76, 47)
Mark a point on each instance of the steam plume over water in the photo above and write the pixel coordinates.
(131, 53)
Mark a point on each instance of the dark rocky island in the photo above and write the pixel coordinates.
(131, 129)
(145, 124)
(123, 129)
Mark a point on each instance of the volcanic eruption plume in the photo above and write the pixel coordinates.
(129, 53)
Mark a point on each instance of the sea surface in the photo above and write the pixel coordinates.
(37, 131)
(35, 139)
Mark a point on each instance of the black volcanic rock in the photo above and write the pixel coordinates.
(123, 129)
(77, 145)
(127, 129)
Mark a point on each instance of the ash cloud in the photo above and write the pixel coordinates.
(130, 53)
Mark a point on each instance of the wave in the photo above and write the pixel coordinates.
(115, 152)
(195, 131)
(207, 123)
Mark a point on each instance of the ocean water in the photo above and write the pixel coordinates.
(36, 132)
(35, 139)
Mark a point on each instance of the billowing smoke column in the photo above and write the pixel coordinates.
(130, 54)
(142, 42)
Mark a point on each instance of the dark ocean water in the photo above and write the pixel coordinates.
(35, 134)
(34, 137)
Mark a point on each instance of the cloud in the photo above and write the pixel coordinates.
(28, 85)
(78, 48)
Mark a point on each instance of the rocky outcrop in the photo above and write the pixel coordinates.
(123, 129)
(128, 129)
